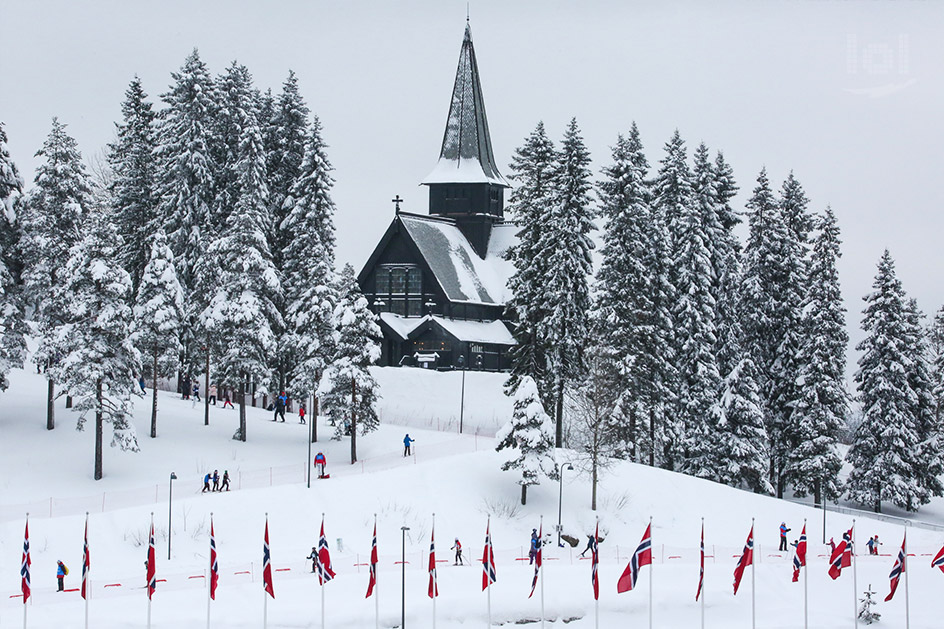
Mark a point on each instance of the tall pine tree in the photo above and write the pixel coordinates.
(529, 436)
(131, 158)
(55, 210)
(97, 361)
(885, 453)
(12, 320)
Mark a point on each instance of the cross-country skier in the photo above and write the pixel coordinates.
(458, 548)
(206, 483)
(320, 462)
(407, 442)
(225, 485)
(61, 572)
(216, 480)
(314, 558)
(783, 535)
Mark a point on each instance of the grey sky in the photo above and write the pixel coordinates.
(847, 94)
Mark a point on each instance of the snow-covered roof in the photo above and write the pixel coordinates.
(466, 155)
(462, 274)
(476, 331)
(493, 332)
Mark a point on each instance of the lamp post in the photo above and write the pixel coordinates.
(403, 529)
(560, 500)
(461, 362)
(170, 511)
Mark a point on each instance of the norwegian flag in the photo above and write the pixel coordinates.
(25, 566)
(151, 564)
(799, 557)
(537, 559)
(595, 559)
(938, 561)
(701, 569)
(214, 566)
(841, 557)
(433, 590)
(489, 575)
(267, 564)
(373, 564)
(897, 569)
(86, 565)
(325, 572)
(642, 557)
(747, 559)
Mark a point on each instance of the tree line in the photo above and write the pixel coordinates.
(207, 241)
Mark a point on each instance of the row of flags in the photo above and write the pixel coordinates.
(840, 558)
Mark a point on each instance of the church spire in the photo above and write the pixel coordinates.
(466, 155)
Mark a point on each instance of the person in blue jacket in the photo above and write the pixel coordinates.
(61, 572)
(206, 483)
(407, 450)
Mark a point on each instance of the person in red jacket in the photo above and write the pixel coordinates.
(301, 413)
(320, 464)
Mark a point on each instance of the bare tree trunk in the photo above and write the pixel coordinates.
(68, 401)
(50, 404)
(353, 422)
(313, 418)
(206, 389)
(652, 437)
(154, 397)
(99, 420)
(632, 432)
(559, 412)
(243, 385)
(818, 493)
(595, 478)
(524, 494)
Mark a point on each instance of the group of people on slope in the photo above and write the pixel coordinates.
(215, 479)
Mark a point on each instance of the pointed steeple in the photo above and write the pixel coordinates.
(466, 155)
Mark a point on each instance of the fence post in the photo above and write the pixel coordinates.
(103, 502)
(50, 506)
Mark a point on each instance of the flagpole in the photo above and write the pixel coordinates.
(27, 565)
(88, 589)
(702, 576)
(753, 589)
(435, 581)
(488, 597)
(806, 588)
(209, 578)
(376, 595)
(321, 574)
(149, 583)
(855, 581)
(541, 576)
(904, 566)
(265, 598)
(650, 578)
(596, 599)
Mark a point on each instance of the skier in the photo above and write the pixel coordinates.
(783, 535)
(589, 544)
(301, 413)
(185, 386)
(206, 483)
(280, 407)
(458, 548)
(320, 464)
(225, 485)
(533, 551)
(216, 480)
(873, 545)
(141, 384)
(196, 391)
(61, 572)
(832, 546)
(226, 399)
(407, 442)
(314, 558)
(212, 394)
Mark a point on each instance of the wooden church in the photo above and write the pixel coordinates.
(438, 282)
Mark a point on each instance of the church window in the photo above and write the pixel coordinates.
(398, 280)
(405, 281)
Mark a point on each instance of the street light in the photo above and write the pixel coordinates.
(404, 529)
(170, 512)
(560, 500)
(461, 362)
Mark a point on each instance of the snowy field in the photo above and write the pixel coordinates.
(457, 477)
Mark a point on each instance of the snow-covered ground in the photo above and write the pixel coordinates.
(455, 476)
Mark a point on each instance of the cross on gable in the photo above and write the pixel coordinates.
(398, 201)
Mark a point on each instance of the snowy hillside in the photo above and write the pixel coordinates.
(457, 477)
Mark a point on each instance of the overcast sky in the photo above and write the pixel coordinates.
(849, 95)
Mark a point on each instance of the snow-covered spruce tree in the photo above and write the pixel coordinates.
(158, 315)
(820, 410)
(55, 209)
(773, 297)
(241, 308)
(532, 171)
(727, 280)
(530, 437)
(565, 247)
(186, 169)
(936, 344)
(98, 363)
(131, 157)
(696, 231)
(885, 451)
(930, 439)
(673, 195)
(12, 321)
(741, 436)
(308, 269)
(348, 392)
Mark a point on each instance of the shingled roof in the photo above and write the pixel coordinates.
(466, 155)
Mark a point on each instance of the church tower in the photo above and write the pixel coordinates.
(466, 185)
